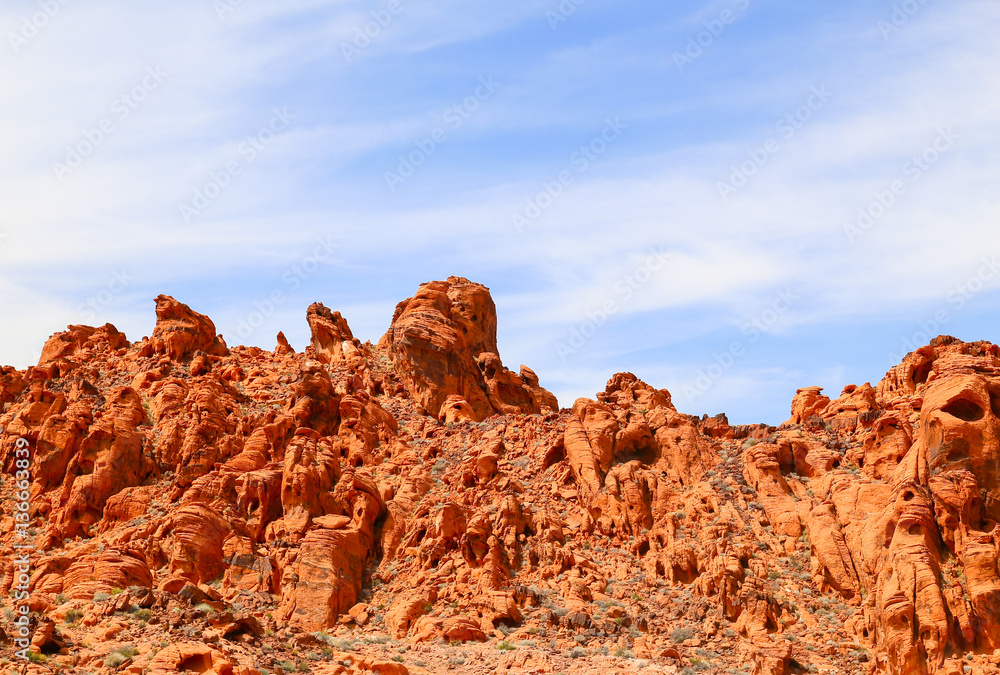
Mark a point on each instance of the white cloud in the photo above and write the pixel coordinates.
(654, 188)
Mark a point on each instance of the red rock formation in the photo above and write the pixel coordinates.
(331, 336)
(807, 402)
(65, 351)
(180, 331)
(205, 503)
(443, 343)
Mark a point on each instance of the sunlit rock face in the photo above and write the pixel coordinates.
(285, 503)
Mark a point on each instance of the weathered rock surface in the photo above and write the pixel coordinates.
(180, 331)
(443, 343)
(417, 507)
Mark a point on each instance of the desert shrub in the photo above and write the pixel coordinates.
(119, 655)
(679, 635)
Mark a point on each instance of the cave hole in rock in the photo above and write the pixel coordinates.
(646, 456)
(835, 464)
(199, 663)
(643, 548)
(684, 575)
(908, 495)
(50, 647)
(920, 373)
(916, 529)
(949, 452)
(955, 456)
(554, 456)
(964, 409)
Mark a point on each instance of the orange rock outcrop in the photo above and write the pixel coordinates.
(414, 506)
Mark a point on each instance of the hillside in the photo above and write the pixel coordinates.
(417, 507)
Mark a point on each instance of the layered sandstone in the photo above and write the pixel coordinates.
(417, 507)
(443, 343)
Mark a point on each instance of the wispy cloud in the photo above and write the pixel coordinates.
(655, 187)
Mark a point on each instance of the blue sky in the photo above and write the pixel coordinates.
(730, 199)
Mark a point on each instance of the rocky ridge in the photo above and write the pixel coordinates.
(416, 507)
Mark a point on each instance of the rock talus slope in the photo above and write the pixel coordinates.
(416, 507)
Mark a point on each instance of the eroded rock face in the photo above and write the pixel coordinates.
(64, 351)
(331, 336)
(443, 344)
(420, 491)
(180, 331)
(918, 532)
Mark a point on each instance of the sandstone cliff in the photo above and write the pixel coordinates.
(415, 506)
